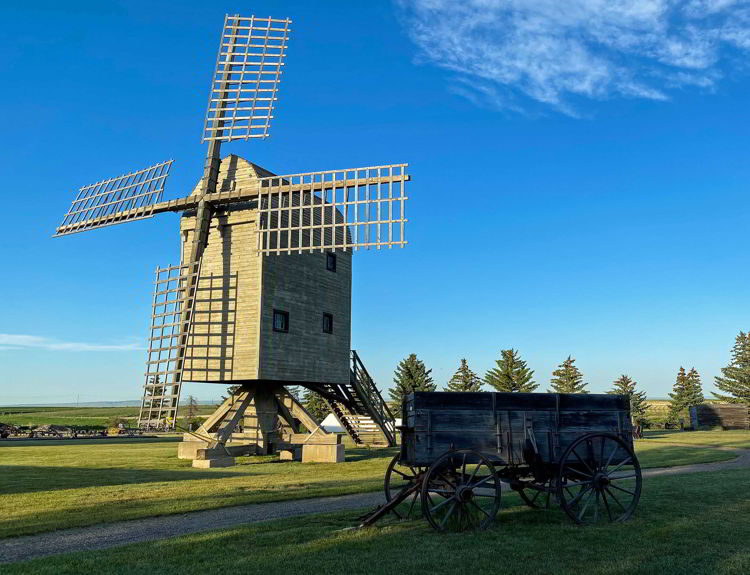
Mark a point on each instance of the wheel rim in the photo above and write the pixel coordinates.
(461, 491)
(398, 478)
(599, 480)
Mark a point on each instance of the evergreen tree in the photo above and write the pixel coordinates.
(231, 390)
(567, 378)
(464, 379)
(511, 373)
(686, 391)
(315, 405)
(695, 389)
(410, 375)
(735, 378)
(623, 385)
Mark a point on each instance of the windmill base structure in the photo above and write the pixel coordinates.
(263, 324)
(261, 298)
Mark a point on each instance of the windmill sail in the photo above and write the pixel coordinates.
(121, 199)
(353, 209)
(246, 78)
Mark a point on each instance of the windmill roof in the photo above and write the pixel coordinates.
(239, 170)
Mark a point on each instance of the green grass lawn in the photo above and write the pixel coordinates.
(78, 416)
(733, 438)
(696, 523)
(49, 485)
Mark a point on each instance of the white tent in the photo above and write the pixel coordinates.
(332, 425)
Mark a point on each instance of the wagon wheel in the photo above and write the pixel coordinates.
(399, 477)
(461, 491)
(537, 499)
(599, 480)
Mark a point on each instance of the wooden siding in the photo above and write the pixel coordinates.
(726, 416)
(301, 285)
(233, 339)
(504, 425)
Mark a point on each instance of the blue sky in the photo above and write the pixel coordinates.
(580, 178)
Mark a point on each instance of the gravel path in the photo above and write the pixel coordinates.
(149, 529)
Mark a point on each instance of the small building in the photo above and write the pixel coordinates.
(724, 415)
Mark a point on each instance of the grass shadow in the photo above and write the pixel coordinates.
(15, 479)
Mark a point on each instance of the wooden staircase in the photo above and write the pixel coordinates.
(360, 408)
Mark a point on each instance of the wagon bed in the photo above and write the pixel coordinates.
(499, 425)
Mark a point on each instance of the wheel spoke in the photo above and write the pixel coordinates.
(578, 472)
(582, 461)
(629, 476)
(448, 514)
(439, 505)
(577, 498)
(612, 495)
(535, 496)
(413, 501)
(480, 509)
(588, 501)
(611, 455)
(577, 483)
(442, 491)
(401, 474)
(621, 489)
(596, 507)
(623, 462)
(606, 504)
(463, 469)
(484, 479)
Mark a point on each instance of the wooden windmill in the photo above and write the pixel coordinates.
(262, 295)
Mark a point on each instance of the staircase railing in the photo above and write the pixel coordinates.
(368, 391)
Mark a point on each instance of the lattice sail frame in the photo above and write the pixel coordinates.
(121, 199)
(246, 78)
(208, 351)
(162, 387)
(359, 208)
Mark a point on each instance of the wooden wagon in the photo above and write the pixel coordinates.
(457, 449)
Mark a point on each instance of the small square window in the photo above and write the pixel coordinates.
(331, 262)
(327, 323)
(280, 321)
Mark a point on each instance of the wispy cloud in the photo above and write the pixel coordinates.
(9, 341)
(508, 51)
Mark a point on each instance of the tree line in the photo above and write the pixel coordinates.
(512, 374)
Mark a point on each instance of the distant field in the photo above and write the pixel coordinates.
(78, 416)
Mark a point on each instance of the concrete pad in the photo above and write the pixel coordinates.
(189, 449)
(215, 462)
(323, 453)
(294, 454)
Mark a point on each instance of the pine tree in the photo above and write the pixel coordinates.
(231, 390)
(315, 405)
(410, 375)
(687, 391)
(735, 378)
(464, 379)
(695, 389)
(567, 378)
(511, 373)
(623, 385)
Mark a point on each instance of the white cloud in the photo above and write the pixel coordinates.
(10, 341)
(554, 51)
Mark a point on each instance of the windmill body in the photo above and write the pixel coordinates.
(236, 340)
(261, 298)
